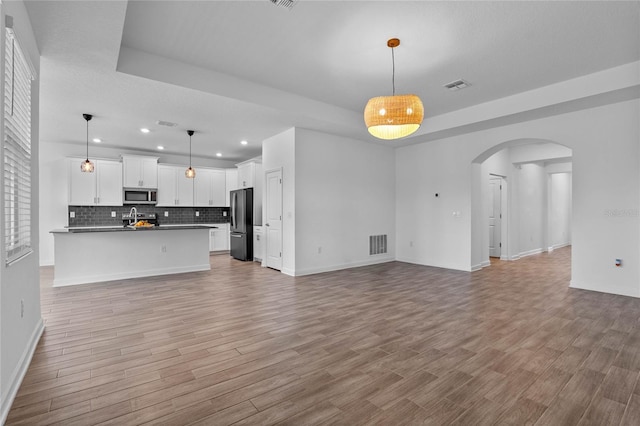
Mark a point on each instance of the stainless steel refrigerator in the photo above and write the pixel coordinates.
(242, 224)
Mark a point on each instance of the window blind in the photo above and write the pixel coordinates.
(17, 150)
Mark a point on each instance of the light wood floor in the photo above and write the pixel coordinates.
(389, 344)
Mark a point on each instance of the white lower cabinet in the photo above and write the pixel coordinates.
(258, 245)
(219, 238)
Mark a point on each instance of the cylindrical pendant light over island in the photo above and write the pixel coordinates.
(396, 116)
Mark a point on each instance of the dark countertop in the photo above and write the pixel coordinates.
(79, 230)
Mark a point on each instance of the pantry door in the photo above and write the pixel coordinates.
(273, 223)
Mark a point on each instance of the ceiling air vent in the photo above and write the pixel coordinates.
(457, 85)
(166, 123)
(288, 4)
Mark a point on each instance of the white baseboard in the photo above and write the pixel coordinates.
(530, 252)
(20, 371)
(557, 246)
(126, 275)
(481, 265)
(586, 286)
(443, 266)
(330, 268)
(287, 271)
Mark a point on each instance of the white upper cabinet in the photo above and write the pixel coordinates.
(140, 172)
(103, 187)
(174, 188)
(209, 188)
(109, 183)
(246, 175)
(231, 184)
(250, 176)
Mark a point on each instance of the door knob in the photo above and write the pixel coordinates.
(266, 224)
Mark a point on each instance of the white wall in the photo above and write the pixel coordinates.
(559, 210)
(278, 152)
(606, 164)
(54, 185)
(531, 208)
(21, 280)
(427, 232)
(532, 152)
(344, 192)
(336, 193)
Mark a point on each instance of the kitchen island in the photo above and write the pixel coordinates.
(96, 254)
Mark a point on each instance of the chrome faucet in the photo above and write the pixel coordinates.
(133, 213)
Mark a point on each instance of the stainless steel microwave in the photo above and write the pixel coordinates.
(140, 196)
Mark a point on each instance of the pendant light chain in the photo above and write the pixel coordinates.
(189, 151)
(87, 139)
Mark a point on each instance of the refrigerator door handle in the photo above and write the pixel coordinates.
(236, 235)
(233, 210)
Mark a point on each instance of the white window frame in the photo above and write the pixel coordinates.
(16, 152)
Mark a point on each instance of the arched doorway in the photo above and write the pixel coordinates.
(520, 200)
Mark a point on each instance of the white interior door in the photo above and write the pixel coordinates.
(273, 224)
(495, 216)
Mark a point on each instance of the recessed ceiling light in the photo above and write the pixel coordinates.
(145, 130)
(160, 147)
(97, 140)
(244, 142)
(218, 154)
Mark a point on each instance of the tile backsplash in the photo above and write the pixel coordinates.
(101, 215)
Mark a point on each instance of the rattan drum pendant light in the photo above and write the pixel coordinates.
(396, 116)
(190, 172)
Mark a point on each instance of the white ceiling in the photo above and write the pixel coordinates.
(236, 70)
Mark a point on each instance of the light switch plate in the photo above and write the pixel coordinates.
(166, 214)
(72, 215)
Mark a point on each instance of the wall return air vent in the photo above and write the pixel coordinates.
(377, 244)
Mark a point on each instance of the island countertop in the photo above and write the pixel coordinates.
(85, 229)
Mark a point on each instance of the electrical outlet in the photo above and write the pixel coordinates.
(166, 214)
(163, 249)
(319, 250)
(224, 213)
(197, 213)
(410, 243)
(113, 214)
(21, 308)
(72, 215)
